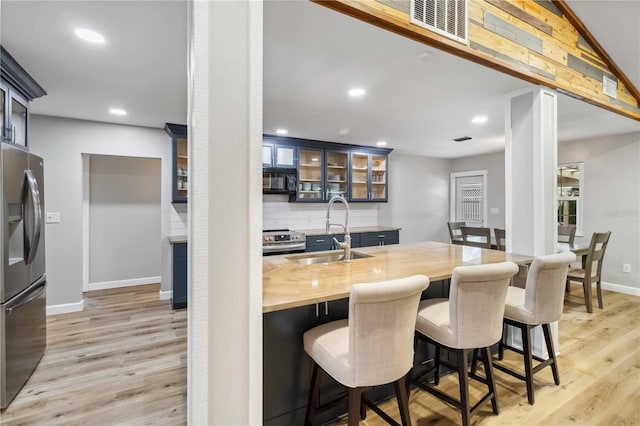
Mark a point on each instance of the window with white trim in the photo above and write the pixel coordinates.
(569, 193)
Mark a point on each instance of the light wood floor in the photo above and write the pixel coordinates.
(120, 361)
(599, 375)
(123, 361)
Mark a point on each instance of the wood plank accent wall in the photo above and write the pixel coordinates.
(531, 40)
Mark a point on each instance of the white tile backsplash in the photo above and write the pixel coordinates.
(278, 213)
(178, 219)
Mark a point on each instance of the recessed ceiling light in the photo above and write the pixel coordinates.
(282, 131)
(343, 131)
(357, 92)
(118, 111)
(88, 35)
(381, 143)
(479, 119)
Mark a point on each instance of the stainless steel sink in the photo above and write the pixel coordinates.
(313, 258)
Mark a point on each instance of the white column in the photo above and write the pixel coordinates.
(530, 180)
(225, 214)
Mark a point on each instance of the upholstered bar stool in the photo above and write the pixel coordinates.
(539, 303)
(471, 318)
(373, 347)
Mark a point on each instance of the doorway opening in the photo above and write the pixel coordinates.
(121, 212)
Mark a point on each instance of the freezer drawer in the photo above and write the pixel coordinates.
(23, 337)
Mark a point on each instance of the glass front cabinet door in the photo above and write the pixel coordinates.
(180, 150)
(310, 175)
(337, 173)
(368, 177)
(3, 110)
(14, 110)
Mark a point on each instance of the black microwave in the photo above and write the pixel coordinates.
(278, 182)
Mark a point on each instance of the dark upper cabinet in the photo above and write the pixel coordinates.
(180, 162)
(278, 156)
(326, 170)
(17, 89)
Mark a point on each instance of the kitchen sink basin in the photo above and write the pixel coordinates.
(313, 258)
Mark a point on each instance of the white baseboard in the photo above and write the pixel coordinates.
(625, 289)
(123, 283)
(65, 308)
(166, 295)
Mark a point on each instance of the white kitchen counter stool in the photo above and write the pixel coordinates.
(373, 347)
(539, 303)
(471, 318)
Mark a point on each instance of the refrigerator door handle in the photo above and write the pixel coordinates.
(34, 241)
(42, 286)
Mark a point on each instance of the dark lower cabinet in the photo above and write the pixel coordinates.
(179, 276)
(368, 239)
(287, 368)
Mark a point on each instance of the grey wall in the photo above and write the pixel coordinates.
(494, 165)
(124, 211)
(611, 199)
(611, 196)
(61, 142)
(418, 198)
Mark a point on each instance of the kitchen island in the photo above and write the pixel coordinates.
(297, 297)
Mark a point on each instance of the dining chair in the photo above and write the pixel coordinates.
(374, 346)
(454, 232)
(501, 239)
(591, 273)
(471, 318)
(566, 234)
(476, 236)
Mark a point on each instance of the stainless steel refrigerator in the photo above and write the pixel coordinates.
(23, 331)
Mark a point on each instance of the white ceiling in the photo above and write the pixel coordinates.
(312, 55)
(142, 66)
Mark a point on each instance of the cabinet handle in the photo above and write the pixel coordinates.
(326, 308)
(319, 241)
(380, 236)
(317, 310)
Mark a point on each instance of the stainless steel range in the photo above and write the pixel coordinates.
(283, 241)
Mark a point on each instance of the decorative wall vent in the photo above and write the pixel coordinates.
(445, 17)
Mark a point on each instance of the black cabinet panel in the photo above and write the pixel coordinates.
(319, 242)
(368, 239)
(179, 276)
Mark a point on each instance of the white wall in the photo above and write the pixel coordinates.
(494, 165)
(278, 213)
(124, 219)
(418, 198)
(61, 142)
(611, 200)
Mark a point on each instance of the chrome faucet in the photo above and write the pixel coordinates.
(346, 245)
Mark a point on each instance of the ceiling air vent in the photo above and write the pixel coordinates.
(445, 17)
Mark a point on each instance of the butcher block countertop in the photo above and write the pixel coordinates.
(353, 230)
(287, 284)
